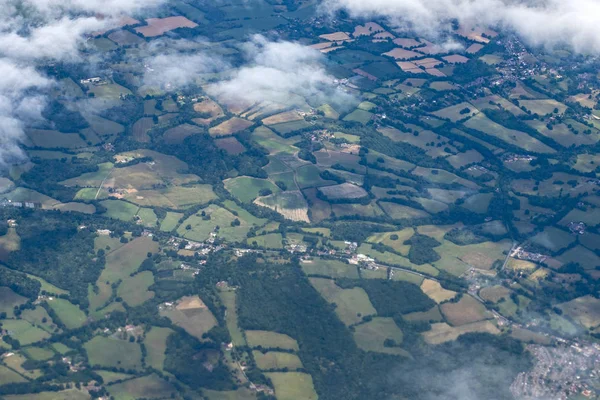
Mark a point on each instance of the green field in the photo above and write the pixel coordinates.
(271, 340)
(331, 268)
(68, 313)
(351, 304)
(151, 386)
(228, 297)
(23, 331)
(70, 394)
(170, 222)
(9, 376)
(156, 345)
(134, 289)
(292, 386)
(246, 189)
(110, 352)
(55, 139)
(371, 336)
(38, 353)
(37, 316)
(276, 360)
(199, 228)
(118, 209)
(9, 300)
(268, 241)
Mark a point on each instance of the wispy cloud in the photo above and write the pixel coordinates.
(35, 31)
(279, 72)
(575, 23)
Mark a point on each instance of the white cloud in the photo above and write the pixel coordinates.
(279, 72)
(540, 22)
(32, 31)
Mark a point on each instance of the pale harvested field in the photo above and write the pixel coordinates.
(336, 36)
(456, 59)
(466, 311)
(406, 42)
(159, 26)
(210, 107)
(436, 292)
(230, 127)
(287, 116)
(442, 332)
(402, 54)
(367, 29)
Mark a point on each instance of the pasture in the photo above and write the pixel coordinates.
(291, 204)
(150, 386)
(134, 289)
(271, 340)
(553, 239)
(228, 297)
(584, 310)
(292, 385)
(23, 331)
(276, 360)
(199, 228)
(68, 313)
(371, 336)
(170, 222)
(344, 191)
(156, 345)
(268, 241)
(517, 138)
(351, 304)
(54, 139)
(331, 268)
(246, 188)
(9, 300)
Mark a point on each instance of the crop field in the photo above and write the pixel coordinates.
(467, 310)
(125, 38)
(273, 142)
(291, 205)
(140, 129)
(286, 128)
(229, 127)
(442, 332)
(24, 331)
(292, 385)
(276, 360)
(331, 268)
(68, 313)
(343, 191)
(371, 335)
(351, 304)
(246, 188)
(271, 340)
(287, 116)
(360, 210)
(517, 138)
(436, 292)
(192, 315)
(156, 345)
(134, 289)
(54, 139)
(585, 310)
